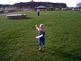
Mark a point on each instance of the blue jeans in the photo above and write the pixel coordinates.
(41, 42)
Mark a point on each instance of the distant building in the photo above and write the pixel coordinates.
(36, 4)
(33, 5)
(7, 8)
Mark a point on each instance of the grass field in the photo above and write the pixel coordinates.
(63, 37)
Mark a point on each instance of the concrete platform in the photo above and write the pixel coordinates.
(16, 16)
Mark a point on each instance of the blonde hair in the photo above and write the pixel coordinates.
(42, 27)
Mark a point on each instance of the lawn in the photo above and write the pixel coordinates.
(63, 37)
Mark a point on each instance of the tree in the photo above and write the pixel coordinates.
(79, 4)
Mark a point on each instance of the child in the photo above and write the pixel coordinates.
(38, 12)
(41, 35)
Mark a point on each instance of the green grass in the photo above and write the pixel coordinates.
(63, 37)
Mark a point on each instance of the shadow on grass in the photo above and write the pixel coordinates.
(69, 55)
(20, 18)
(65, 54)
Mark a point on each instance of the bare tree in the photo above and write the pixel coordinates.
(79, 4)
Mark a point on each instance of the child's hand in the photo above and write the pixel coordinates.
(36, 25)
(36, 37)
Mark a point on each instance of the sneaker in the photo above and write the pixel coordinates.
(40, 49)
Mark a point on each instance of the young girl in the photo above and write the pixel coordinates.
(41, 35)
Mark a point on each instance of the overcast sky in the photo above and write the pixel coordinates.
(70, 3)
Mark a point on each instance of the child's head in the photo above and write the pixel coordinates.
(42, 27)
